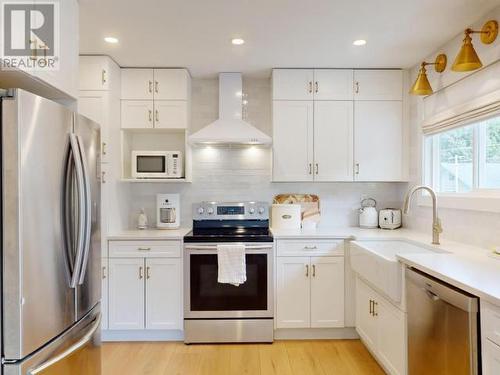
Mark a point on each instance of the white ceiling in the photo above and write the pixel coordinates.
(279, 33)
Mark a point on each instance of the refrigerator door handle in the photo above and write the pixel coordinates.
(67, 213)
(88, 212)
(73, 348)
(81, 212)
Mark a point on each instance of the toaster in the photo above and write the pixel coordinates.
(389, 218)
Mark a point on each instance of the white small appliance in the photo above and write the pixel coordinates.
(157, 164)
(368, 216)
(168, 214)
(390, 218)
(286, 216)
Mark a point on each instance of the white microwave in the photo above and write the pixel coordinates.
(157, 164)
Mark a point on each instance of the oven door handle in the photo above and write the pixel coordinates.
(247, 247)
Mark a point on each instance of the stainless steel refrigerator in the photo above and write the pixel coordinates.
(50, 239)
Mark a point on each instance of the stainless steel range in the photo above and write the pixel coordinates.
(215, 312)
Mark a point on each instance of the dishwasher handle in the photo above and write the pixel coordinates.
(438, 290)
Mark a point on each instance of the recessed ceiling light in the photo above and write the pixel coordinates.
(237, 41)
(359, 42)
(110, 39)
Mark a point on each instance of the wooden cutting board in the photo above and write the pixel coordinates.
(309, 203)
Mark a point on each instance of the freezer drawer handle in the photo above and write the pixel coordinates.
(73, 348)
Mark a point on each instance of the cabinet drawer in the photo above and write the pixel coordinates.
(490, 322)
(144, 249)
(310, 248)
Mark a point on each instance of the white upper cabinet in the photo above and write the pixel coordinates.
(98, 73)
(293, 84)
(137, 114)
(333, 84)
(333, 141)
(171, 84)
(378, 141)
(293, 140)
(137, 84)
(171, 114)
(378, 85)
(158, 84)
(163, 293)
(327, 292)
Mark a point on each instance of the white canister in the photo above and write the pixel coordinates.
(286, 216)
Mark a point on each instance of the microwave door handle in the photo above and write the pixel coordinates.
(88, 211)
(81, 210)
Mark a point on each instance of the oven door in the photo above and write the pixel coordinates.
(204, 297)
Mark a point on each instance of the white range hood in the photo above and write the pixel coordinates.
(230, 129)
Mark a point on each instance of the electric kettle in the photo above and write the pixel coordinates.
(368, 216)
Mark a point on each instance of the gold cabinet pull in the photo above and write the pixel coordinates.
(103, 76)
(157, 115)
(375, 304)
(140, 273)
(316, 85)
(307, 270)
(357, 168)
(150, 86)
(143, 248)
(310, 87)
(314, 270)
(317, 168)
(310, 168)
(103, 272)
(150, 115)
(104, 148)
(156, 86)
(148, 273)
(357, 87)
(371, 307)
(103, 178)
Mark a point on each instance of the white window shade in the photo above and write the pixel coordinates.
(471, 99)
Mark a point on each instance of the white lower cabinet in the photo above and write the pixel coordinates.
(382, 326)
(126, 293)
(104, 293)
(294, 292)
(327, 292)
(163, 293)
(490, 338)
(491, 358)
(145, 293)
(310, 292)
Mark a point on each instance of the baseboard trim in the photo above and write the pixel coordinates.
(348, 333)
(142, 335)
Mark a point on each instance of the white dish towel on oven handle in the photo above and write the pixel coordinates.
(232, 265)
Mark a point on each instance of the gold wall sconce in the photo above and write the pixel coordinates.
(422, 85)
(467, 58)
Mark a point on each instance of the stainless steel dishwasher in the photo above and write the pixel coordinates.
(443, 328)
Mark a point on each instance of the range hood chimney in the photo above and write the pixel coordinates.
(230, 129)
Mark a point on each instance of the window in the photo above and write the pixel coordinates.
(464, 159)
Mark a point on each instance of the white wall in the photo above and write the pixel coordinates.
(245, 173)
(468, 226)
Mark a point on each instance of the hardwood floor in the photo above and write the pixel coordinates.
(325, 357)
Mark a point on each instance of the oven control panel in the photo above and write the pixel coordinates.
(231, 211)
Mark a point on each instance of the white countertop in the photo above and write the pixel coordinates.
(466, 267)
(150, 234)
